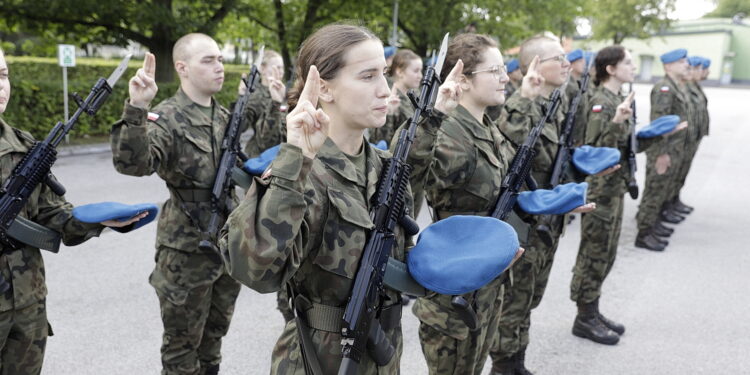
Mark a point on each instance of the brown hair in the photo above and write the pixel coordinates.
(269, 54)
(611, 55)
(401, 61)
(469, 48)
(325, 49)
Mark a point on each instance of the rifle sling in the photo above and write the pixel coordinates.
(241, 178)
(34, 235)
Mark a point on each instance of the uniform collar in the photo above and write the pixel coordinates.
(9, 141)
(335, 159)
(477, 129)
(194, 110)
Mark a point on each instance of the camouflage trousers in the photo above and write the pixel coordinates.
(197, 299)
(657, 190)
(529, 276)
(691, 148)
(23, 337)
(600, 233)
(448, 345)
(284, 304)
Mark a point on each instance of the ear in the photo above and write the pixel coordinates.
(464, 82)
(180, 67)
(326, 94)
(611, 69)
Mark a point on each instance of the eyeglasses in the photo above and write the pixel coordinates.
(558, 58)
(498, 71)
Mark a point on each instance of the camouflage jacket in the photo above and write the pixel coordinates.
(267, 119)
(602, 132)
(667, 98)
(462, 162)
(581, 120)
(24, 268)
(699, 103)
(386, 132)
(183, 146)
(306, 224)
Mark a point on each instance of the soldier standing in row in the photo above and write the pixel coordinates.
(406, 73)
(266, 108)
(180, 140)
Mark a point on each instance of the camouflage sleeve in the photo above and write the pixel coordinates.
(139, 147)
(602, 132)
(55, 213)
(267, 120)
(517, 119)
(581, 122)
(264, 240)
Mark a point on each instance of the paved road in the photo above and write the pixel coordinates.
(685, 309)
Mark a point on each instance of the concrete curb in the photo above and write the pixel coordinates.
(95, 148)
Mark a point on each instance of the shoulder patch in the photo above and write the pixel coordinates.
(283, 108)
(664, 89)
(153, 116)
(597, 108)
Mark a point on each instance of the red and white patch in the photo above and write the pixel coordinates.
(596, 109)
(664, 89)
(153, 116)
(283, 108)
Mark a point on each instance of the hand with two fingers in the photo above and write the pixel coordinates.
(625, 110)
(307, 125)
(142, 87)
(449, 93)
(533, 82)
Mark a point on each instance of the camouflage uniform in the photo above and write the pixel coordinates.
(529, 274)
(461, 164)
(600, 229)
(23, 312)
(304, 226)
(667, 98)
(386, 132)
(182, 145)
(266, 117)
(581, 123)
(698, 117)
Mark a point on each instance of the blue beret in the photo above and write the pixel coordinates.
(694, 61)
(259, 164)
(98, 212)
(674, 55)
(588, 55)
(382, 145)
(706, 62)
(662, 125)
(562, 199)
(575, 55)
(512, 65)
(461, 254)
(592, 160)
(389, 51)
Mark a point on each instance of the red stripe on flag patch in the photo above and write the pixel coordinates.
(664, 89)
(152, 116)
(596, 109)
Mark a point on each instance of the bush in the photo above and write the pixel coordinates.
(36, 102)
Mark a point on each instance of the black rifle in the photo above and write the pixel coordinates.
(632, 149)
(520, 167)
(221, 193)
(34, 168)
(360, 321)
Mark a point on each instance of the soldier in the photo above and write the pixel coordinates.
(515, 77)
(23, 309)
(406, 73)
(303, 225)
(546, 67)
(667, 98)
(579, 60)
(265, 110)
(180, 140)
(461, 158)
(609, 125)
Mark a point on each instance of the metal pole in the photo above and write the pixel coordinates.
(65, 99)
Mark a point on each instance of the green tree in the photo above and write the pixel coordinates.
(619, 19)
(730, 8)
(155, 24)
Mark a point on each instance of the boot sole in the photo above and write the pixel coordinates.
(649, 248)
(579, 333)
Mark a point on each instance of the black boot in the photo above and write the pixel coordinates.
(616, 327)
(211, 370)
(520, 365)
(506, 367)
(681, 207)
(647, 240)
(671, 216)
(663, 229)
(588, 326)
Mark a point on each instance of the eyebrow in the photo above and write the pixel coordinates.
(370, 70)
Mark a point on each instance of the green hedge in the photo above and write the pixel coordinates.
(36, 101)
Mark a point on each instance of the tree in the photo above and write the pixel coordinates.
(730, 8)
(156, 24)
(619, 19)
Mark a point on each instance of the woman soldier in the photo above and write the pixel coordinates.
(460, 157)
(303, 225)
(406, 72)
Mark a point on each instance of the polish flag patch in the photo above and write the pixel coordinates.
(283, 108)
(596, 109)
(153, 116)
(664, 89)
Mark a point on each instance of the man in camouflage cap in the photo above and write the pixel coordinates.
(180, 140)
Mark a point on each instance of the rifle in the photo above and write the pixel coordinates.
(520, 167)
(221, 193)
(632, 149)
(34, 168)
(388, 209)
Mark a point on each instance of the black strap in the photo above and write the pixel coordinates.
(301, 304)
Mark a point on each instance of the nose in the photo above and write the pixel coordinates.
(383, 91)
(504, 78)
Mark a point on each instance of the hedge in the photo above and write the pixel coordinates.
(36, 102)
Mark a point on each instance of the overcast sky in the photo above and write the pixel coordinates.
(692, 9)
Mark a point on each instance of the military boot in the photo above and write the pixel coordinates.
(520, 363)
(617, 327)
(664, 229)
(681, 207)
(587, 325)
(671, 216)
(506, 367)
(647, 240)
(211, 370)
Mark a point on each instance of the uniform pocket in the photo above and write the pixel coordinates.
(344, 234)
(486, 178)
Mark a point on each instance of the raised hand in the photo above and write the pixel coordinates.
(393, 101)
(624, 111)
(276, 85)
(449, 93)
(306, 126)
(242, 88)
(533, 82)
(142, 86)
